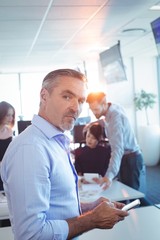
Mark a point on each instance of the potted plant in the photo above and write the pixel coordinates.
(144, 100)
(148, 136)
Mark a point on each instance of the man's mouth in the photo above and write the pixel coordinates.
(73, 117)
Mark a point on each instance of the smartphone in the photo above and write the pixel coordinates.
(131, 205)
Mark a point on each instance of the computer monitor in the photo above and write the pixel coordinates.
(22, 125)
(78, 135)
(77, 131)
(83, 120)
(1, 185)
(112, 64)
(155, 25)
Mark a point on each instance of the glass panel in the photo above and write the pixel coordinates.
(30, 90)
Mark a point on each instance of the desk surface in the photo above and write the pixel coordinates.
(117, 192)
(142, 224)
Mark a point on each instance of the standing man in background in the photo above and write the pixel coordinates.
(126, 160)
(40, 181)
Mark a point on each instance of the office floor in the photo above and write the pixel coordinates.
(153, 183)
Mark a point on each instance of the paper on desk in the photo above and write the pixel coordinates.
(89, 192)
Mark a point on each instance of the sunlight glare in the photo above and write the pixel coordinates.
(96, 87)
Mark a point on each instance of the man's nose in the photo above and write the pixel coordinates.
(76, 106)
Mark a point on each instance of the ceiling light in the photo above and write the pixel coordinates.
(134, 31)
(155, 7)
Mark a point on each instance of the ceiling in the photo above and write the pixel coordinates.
(40, 34)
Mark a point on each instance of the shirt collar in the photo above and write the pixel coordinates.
(50, 130)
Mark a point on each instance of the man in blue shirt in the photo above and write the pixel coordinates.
(126, 157)
(39, 178)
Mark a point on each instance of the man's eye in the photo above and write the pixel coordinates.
(67, 97)
(81, 101)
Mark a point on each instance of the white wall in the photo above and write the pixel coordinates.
(145, 77)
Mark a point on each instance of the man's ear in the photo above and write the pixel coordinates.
(104, 102)
(43, 94)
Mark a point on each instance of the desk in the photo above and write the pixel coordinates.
(117, 192)
(142, 224)
(6, 233)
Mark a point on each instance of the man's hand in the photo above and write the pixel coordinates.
(106, 215)
(104, 182)
(91, 205)
(118, 205)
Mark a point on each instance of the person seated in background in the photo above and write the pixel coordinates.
(93, 157)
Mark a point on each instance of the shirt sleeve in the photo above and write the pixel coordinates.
(115, 135)
(31, 196)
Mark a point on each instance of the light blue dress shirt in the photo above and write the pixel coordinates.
(121, 138)
(40, 183)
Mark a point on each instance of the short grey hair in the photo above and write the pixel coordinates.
(51, 79)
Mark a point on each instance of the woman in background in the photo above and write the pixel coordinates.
(7, 121)
(93, 157)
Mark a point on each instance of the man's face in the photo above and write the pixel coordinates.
(62, 107)
(97, 109)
